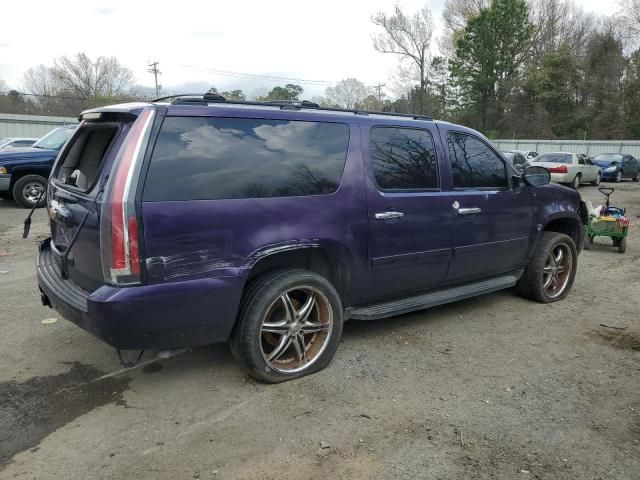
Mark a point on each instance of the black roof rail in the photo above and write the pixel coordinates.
(208, 98)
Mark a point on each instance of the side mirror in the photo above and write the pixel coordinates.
(536, 176)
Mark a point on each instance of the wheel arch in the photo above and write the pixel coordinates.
(569, 225)
(325, 260)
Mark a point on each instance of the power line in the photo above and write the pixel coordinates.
(230, 73)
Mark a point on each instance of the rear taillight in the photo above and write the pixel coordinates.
(119, 228)
(560, 169)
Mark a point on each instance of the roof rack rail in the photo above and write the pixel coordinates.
(209, 98)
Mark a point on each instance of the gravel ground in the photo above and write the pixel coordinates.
(493, 387)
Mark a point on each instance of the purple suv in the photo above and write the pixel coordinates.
(194, 220)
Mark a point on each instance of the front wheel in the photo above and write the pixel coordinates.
(576, 182)
(597, 180)
(619, 176)
(289, 326)
(551, 271)
(29, 191)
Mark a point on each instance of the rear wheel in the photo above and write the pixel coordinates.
(635, 179)
(576, 182)
(597, 180)
(622, 245)
(289, 326)
(550, 274)
(588, 242)
(28, 191)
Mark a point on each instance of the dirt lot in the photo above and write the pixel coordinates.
(494, 387)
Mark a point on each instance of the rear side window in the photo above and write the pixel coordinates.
(202, 158)
(474, 164)
(403, 159)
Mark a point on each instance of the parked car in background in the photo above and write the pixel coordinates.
(616, 166)
(16, 142)
(517, 159)
(527, 154)
(569, 168)
(24, 171)
(200, 220)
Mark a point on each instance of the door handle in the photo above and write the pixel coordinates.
(388, 215)
(468, 211)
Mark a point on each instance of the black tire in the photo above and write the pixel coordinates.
(588, 241)
(576, 182)
(622, 245)
(531, 284)
(22, 197)
(635, 179)
(6, 196)
(247, 340)
(597, 180)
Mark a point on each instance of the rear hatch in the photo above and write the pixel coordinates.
(76, 193)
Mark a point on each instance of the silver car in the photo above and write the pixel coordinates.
(569, 168)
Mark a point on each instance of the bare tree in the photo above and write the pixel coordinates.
(455, 15)
(630, 14)
(105, 77)
(348, 93)
(409, 37)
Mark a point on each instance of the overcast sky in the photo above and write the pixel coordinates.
(196, 42)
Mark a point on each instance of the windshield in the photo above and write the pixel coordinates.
(555, 158)
(607, 158)
(54, 139)
(604, 163)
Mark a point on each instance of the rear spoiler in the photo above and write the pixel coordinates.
(126, 112)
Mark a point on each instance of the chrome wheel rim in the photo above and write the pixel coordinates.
(598, 180)
(576, 181)
(31, 191)
(296, 329)
(557, 270)
(619, 177)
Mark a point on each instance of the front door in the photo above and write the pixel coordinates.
(410, 224)
(493, 221)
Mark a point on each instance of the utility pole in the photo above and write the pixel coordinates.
(153, 68)
(378, 89)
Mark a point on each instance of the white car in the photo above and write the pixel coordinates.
(569, 168)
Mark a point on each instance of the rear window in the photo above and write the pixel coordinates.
(555, 158)
(201, 158)
(83, 158)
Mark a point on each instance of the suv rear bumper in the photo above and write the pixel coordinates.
(180, 314)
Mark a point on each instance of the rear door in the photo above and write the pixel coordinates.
(630, 166)
(74, 193)
(410, 223)
(492, 221)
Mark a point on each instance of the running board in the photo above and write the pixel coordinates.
(431, 299)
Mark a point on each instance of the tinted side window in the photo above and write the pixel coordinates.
(403, 158)
(473, 163)
(197, 158)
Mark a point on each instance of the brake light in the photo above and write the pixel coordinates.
(121, 257)
(560, 169)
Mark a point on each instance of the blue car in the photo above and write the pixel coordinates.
(616, 166)
(24, 171)
(197, 220)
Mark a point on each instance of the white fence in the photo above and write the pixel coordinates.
(35, 126)
(590, 147)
